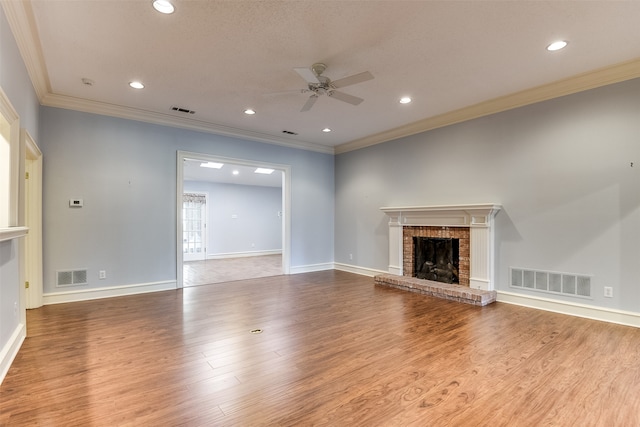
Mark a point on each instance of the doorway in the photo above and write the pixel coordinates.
(220, 254)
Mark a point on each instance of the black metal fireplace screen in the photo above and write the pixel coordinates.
(436, 259)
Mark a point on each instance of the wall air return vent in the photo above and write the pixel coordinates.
(576, 285)
(71, 277)
(182, 110)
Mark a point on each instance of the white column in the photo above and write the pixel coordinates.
(395, 245)
(481, 248)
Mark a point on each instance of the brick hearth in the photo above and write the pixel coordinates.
(447, 291)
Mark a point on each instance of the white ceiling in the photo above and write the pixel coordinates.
(192, 171)
(220, 57)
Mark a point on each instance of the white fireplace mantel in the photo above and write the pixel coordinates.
(479, 219)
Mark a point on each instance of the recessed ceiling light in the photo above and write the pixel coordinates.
(249, 111)
(236, 172)
(265, 171)
(405, 100)
(136, 85)
(163, 6)
(557, 45)
(326, 130)
(211, 165)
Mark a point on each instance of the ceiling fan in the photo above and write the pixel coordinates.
(318, 85)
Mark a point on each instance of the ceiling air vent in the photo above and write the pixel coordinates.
(288, 132)
(182, 110)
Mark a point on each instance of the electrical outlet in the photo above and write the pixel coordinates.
(350, 257)
(102, 274)
(608, 291)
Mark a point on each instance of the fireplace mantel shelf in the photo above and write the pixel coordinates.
(451, 215)
(441, 208)
(478, 217)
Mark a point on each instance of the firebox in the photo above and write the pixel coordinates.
(436, 259)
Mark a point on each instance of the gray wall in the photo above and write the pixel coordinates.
(561, 169)
(15, 82)
(126, 173)
(256, 226)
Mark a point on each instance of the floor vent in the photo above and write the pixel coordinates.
(71, 277)
(578, 285)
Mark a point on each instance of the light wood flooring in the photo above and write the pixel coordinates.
(196, 273)
(335, 351)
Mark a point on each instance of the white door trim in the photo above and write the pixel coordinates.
(33, 219)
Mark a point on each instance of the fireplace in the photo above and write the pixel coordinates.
(412, 233)
(436, 259)
(470, 225)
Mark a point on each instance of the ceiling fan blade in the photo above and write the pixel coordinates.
(307, 106)
(351, 80)
(307, 74)
(350, 99)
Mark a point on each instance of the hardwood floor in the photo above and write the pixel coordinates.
(335, 351)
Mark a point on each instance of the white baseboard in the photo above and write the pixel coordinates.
(10, 350)
(310, 268)
(115, 291)
(244, 254)
(364, 271)
(620, 317)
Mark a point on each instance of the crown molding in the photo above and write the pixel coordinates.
(20, 18)
(123, 112)
(578, 83)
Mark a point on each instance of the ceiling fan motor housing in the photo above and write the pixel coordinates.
(323, 86)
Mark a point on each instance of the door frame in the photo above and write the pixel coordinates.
(286, 202)
(32, 214)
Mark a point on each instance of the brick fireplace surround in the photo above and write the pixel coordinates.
(472, 224)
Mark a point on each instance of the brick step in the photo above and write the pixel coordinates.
(447, 291)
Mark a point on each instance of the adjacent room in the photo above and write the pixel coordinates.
(232, 221)
(336, 213)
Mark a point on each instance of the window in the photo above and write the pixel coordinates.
(5, 171)
(9, 163)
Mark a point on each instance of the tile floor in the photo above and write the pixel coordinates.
(196, 273)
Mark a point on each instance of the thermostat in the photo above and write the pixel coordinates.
(75, 203)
